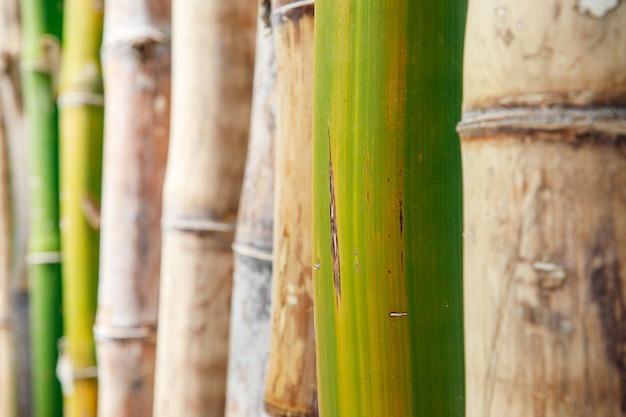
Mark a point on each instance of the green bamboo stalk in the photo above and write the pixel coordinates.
(387, 208)
(81, 124)
(41, 23)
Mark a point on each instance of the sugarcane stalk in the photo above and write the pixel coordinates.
(252, 276)
(213, 44)
(543, 141)
(387, 208)
(136, 66)
(291, 387)
(41, 23)
(81, 122)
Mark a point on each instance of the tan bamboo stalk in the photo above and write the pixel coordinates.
(544, 158)
(213, 46)
(136, 70)
(14, 362)
(10, 136)
(252, 277)
(291, 388)
(7, 369)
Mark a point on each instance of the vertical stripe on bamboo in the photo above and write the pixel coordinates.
(136, 68)
(291, 380)
(544, 159)
(213, 60)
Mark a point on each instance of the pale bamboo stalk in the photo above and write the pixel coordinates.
(291, 387)
(544, 145)
(213, 45)
(15, 398)
(252, 277)
(136, 69)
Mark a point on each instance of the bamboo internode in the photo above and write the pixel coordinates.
(250, 306)
(387, 208)
(213, 46)
(291, 387)
(544, 186)
(136, 67)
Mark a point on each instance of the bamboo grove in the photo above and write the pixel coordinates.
(302, 208)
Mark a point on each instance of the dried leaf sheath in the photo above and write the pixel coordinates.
(213, 44)
(544, 187)
(250, 311)
(81, 124)
(291, 388)
(136, 65)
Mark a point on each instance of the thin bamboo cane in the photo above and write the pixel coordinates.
(136, 66)
(387, 208)
(41, 23)
(544, 145)
(81, 122)
(7, 368)
(211, 93)
(291, 388)
(15, 384)
(252, 277)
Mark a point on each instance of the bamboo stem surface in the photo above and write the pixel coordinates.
(136, 65)
(213, 46)
(81, 125)
(544, 187)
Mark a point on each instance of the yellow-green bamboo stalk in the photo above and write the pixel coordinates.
(252, 275)
(136, 66)
(544, 164)
(81, 120)
(387, 208)
(212, 72)
(291, 388)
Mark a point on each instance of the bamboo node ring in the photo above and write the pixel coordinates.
(77, 98)
(43, 258)
(252, 252)
(198, 225)
(110, 333)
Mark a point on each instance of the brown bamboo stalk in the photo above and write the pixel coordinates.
(213, 44)
(136, 68)
(252, 277)
(291, 388)
(14, 335)
(544, 158)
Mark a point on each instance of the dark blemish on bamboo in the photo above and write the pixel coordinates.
(334, 239)
(606, 292)
(401, 217)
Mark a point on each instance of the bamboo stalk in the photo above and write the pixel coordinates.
(41, 23)
(212, 82)
(545, 190)
(252, 276)
(136, 66)
(81, 122)
(14, 332)
(291, 387)
(8, 390)
(387, 208)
